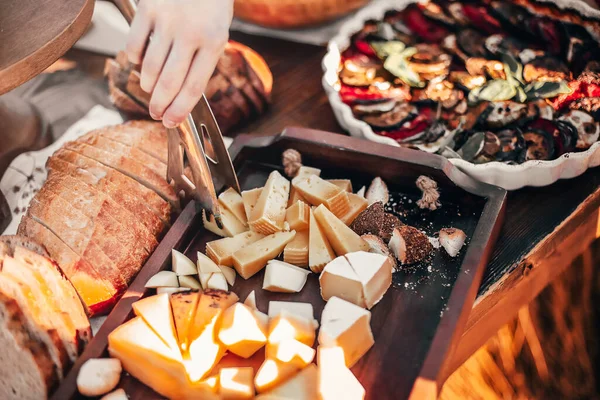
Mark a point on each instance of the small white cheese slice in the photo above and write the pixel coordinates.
(163, 279)
(339, 279)
(188, 281)
(204, 279)
(283, 277)
(335, 380)
(303, 310)
(217, 281)
(206, 265)
(374, 272)
(229, 274)
(348, 326)
(182, 265)
(342, 239)
(252, 258)
(269, 212)
(232, 201)
(250, 197)
(156, 312)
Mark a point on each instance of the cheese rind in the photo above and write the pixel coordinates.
(347, 326)
(272, 373)
(232, 201)
(269, 212)
(335, 380)
(241, 332)
(250, 197)
(344, 184)
(374, 272)
(236, 383)
(296, 251)
(342, 239)
(339, 279)
(252, 258)
(357, 205)
(283, 277)
(318, 191)
(297, 216)
(320, 251)
(221, 250)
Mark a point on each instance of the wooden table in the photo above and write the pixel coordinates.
(545, 228)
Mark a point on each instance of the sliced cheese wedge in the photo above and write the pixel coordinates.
(231, 225)
(156, 312)
(232, 201)
(347, 326)
(251, 301)
(335, 380)
(205, 350)
(318, 191)
(291, 326)
(163, 279)
(357, 205)
(217, 281)
(221, 250)
(344, 184)
(305, 171)
(241, 332)
(297, 216)
(284, 278)
(296, 251)
(273, 373)
(250, 198)
(211, 304)
(291, 351)
(189, 282)
(342, 239)
(236, 383)
(319, 249)
(303, 386)
(206, 265)
(181, 265)
(269, 212)
(374, 272)
(229, 274)
(339, 279)
(184, 308)
(252, 258)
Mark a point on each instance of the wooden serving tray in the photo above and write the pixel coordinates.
(422, 316)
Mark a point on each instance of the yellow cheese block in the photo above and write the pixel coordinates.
(290, 351)
(297, 216)
(205, 351)
(335, 380)
(342, 239)
(241, 332)
(305, 171)
(147, 358)
(318, 191)
(184, 308)
(250, 198)
(296, 251)
(232, 201)
(374, 272)
(269, 212)
(221, 250)
(236, 383)
(231, 225)
(287, 325)
(272, 373)
(303, 386)
(339, 279)
(295, 197)
(347, 326)
(344, 184)
(357, 205)
(319, 249)
(156, 312)
(252, 258)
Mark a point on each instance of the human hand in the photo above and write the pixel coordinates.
(187, 39)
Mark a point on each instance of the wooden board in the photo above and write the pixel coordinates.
(419, 321)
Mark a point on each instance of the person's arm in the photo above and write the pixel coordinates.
(187, 39)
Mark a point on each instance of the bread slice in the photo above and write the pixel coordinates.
(97, 292)
(123, 102)
(117, 180)
(27, 370)
(233, 66)
(14, 241)
(98, 141)
(219, 83)
(150, 137)
(129, 167)
(89, 201)
(28, 303)
(61, 288)
(128, 200)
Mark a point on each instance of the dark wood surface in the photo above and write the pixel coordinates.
(34, 33)
(429, 316)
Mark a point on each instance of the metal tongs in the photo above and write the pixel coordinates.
(205, 152)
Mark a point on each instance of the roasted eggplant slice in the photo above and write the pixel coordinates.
(539, 144)
(359, 70)
(548, 31)
(430, 61)
(471, 42)
(512, 145)
(393, 119)
(588, 130)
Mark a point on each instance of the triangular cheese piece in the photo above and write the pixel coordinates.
(232, 201)
(272, 373)
(342, 239)
(250, 198)
(206, 265)
(184, 309)
(339, 279)
(156, 312)
(220, 251)
(269, 212)
(303, 386)
(357, 205)
(182, 265)
(229, 274)
(205, 350)
(241, 332)
(336, 381)
(212, 303)
(319, 249)
(252, 258)
(375, 273)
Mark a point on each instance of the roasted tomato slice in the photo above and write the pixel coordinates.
(370, 95)
(429, 30)
(481, 18)
(412, 127)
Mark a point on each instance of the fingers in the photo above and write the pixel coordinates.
(203, 65)
(155, 58)
(171, 78)
(142, 25)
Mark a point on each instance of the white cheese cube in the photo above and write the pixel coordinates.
(283, 277)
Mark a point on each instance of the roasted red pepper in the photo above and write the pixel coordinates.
(424, 27)
(481, 19)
